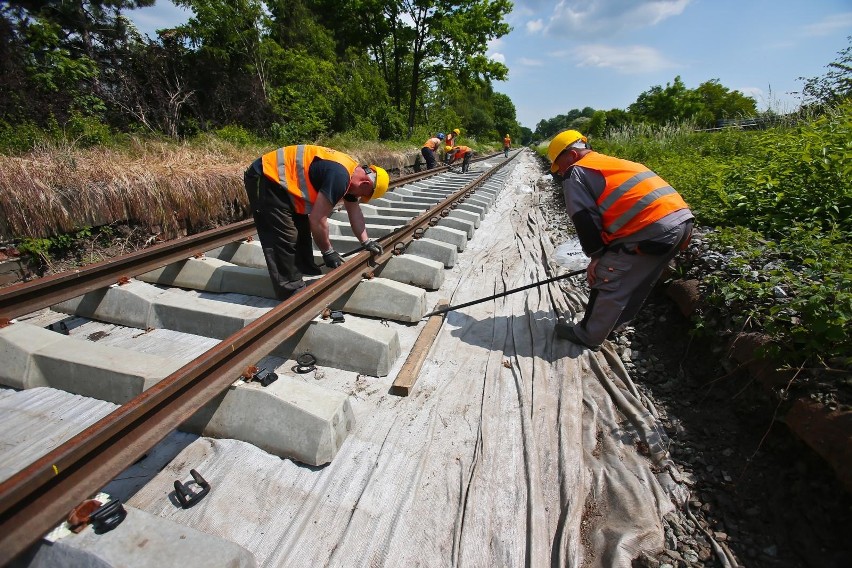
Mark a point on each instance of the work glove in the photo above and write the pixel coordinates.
(332, 259)
(372, 246)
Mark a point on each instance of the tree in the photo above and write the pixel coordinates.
(435, 43)
(505, 120)
(705, 105)
(720, 102)
(673, 103)
(833, 87)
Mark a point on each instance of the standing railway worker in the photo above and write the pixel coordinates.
(450, 142)
(429, 148)
(291, 192)
(507, 144)
(630, 223)
(461, 152)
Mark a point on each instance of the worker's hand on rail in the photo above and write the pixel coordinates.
(332, 259)
(372, 246)
(590, 271)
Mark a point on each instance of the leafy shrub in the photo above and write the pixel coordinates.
(801, 174)
(236, 135)
(798, 291)
(20, 138)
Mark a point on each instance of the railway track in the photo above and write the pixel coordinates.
(428, 216)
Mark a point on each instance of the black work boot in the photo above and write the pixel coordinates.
(566, 331)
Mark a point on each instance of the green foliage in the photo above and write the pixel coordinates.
(19, 138)
(797, 290)
(705, 105)
(833, 87)
(237, 135)
(86, 131)
(794, 175)
(43, 248)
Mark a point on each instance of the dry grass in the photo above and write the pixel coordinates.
(165, 187)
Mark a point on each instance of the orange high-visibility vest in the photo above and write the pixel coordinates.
(288, 166)
(507, 141)
(432, 143)
(634, 196)
(461, 151)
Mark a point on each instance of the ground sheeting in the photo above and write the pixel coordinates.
(514, 448)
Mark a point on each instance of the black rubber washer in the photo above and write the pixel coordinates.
(305, 364)
(306, 359)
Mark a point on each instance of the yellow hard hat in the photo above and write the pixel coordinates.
(456, 130)
(560, 142)
(448, 148)
(382, 181)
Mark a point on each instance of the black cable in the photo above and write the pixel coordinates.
(506, 293)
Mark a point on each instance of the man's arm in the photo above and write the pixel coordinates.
(583, 210)
(318, 220)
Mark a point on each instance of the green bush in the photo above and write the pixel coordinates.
(237, 135)
(20, 138)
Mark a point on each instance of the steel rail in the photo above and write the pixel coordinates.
(37, 498)
(28, 297)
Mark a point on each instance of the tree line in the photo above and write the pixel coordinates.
(290, 70)
(704, 106)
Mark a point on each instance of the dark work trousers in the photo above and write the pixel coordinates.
(285, 235)
(429, 156)
(466, 162)
(623, 282)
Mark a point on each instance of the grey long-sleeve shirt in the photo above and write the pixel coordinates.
(581, 188)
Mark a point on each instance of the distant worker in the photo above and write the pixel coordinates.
(450, 142)
(429, 148)
(507, 144)
(629, 221)
(291, 192)
(461, 152)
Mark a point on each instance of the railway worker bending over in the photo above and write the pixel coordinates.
(292, 191)
(463, 152)
(630, 222)
(429, 148)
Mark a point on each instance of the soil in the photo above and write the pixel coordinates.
(774, 501)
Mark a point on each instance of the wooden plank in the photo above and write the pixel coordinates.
(410, 370)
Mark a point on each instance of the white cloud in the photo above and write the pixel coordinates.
(527, 62)
(754, 92)
(534, 26)
(498, 57)
(596, 18)
(830, 25)
(632, 59)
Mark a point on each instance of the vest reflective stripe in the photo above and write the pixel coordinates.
(306, 191)
(289, 167)
(633, 197)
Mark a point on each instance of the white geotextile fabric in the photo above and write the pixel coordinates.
(514, 448)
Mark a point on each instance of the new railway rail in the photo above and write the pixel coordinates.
(38, 497)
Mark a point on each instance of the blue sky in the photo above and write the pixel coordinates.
(565, 54)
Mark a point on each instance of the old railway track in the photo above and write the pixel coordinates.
(39, 496)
